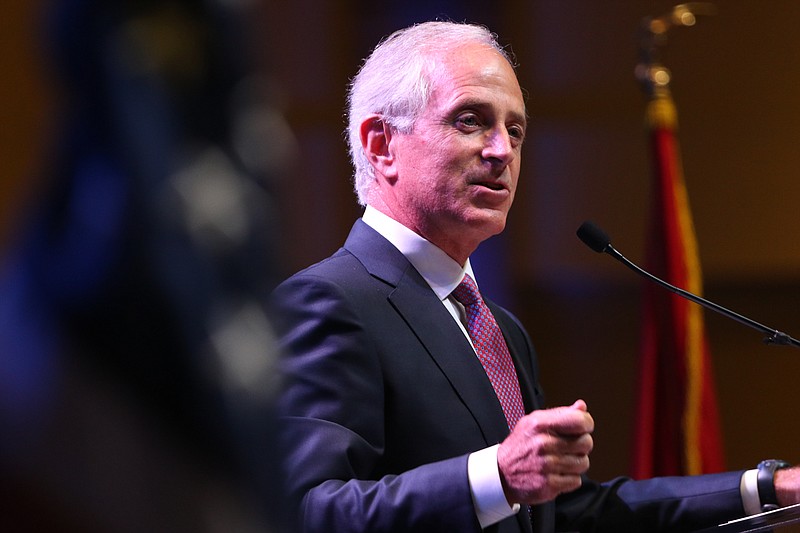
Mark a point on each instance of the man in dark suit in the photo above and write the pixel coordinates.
(405, 406)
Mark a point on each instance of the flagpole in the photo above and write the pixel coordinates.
(677, 429)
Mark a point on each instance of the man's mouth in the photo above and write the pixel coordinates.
(493, 185)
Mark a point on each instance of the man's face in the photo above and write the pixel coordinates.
(457, 170)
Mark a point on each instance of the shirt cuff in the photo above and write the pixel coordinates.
(488, 497)
(749, 489)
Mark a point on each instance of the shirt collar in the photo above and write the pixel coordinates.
(441, 271)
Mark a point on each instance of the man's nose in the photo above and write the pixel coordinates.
(499, 145)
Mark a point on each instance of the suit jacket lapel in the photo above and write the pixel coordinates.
(434, 327)
(447, 345)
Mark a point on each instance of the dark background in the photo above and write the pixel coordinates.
(735, 79)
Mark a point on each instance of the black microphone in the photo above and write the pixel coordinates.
(597, 239)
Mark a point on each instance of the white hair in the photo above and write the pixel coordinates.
(394, 82)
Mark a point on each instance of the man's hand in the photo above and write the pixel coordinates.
(787, 486)
(546, 454)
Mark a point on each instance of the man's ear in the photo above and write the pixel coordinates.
(376, 138)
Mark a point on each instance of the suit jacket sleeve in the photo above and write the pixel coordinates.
(666, 504)
(335, 426)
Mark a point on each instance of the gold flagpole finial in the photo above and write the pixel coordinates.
(653, 31)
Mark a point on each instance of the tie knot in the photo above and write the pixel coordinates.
(467, 291)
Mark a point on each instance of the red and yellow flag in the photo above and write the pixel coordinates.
(677, 429)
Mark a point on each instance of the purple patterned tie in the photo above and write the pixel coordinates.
(491, 349)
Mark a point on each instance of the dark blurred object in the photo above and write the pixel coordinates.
(136, 357)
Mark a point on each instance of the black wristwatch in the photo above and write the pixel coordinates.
(766, 483)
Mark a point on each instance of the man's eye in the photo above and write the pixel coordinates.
(468, 121)
(516, 132)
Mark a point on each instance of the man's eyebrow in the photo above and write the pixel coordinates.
(476, 103)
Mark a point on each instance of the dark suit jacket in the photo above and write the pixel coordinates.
(384, 400)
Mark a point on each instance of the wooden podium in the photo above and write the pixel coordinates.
(777, 520)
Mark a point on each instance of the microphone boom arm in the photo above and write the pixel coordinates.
(773, 336)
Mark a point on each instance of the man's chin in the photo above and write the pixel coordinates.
(490, 222)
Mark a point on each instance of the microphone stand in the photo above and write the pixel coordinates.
(773, 336)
